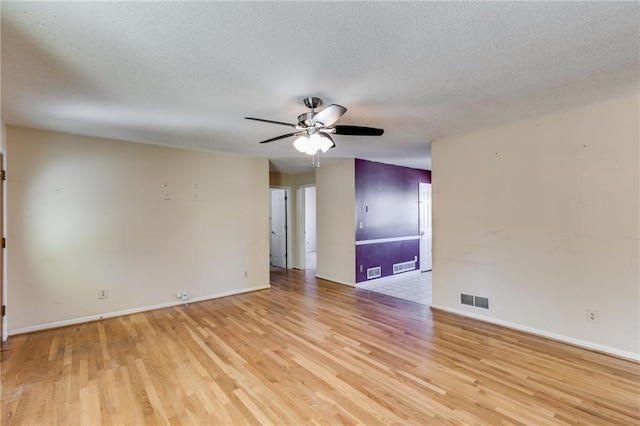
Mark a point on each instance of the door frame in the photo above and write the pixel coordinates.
(302, 223)
(3, 274)
(421, 206)
(287, 212)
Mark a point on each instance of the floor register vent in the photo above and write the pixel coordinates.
(477, 301)
(404, 266)
(374, 272)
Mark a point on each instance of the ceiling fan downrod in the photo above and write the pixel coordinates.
(306, 119)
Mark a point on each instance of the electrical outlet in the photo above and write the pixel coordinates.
(185, 295)
(593, 315)
(102, 293)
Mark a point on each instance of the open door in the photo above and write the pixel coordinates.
(278, 227)
(425, 227)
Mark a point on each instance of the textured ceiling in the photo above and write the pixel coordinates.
(185, 74)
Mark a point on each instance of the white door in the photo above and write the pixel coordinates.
(425, 227)
(278, 221)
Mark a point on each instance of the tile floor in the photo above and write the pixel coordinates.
(413, 286)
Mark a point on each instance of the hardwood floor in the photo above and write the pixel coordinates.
(308, 352)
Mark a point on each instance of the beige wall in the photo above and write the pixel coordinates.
(293, 181)
(542, 217)
(335, 202)
(140, 220)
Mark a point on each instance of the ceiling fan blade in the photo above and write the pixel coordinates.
(271, 121)
(280, 137)
(358, 131)
(330, 114)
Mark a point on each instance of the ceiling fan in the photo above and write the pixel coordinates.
(314, 129)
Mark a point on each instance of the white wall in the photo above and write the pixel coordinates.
(542, 217)
(142, 221)
(335, 201)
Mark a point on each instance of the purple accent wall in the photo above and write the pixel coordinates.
(386, 207)
(384, 255)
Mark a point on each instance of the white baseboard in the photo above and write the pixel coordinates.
(97, 317)
(335, 280)
(552, 336)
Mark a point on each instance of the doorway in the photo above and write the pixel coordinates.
(307, 227)
(426, 249)
(279, 217)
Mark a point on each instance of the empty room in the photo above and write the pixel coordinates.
(229, 213)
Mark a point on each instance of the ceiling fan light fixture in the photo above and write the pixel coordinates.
(301, 143)
(314, 144)
(325, 144)
(310, 145)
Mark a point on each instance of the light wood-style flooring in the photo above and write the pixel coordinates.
(308, 351)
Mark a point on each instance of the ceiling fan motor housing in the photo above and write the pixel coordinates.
(306, 119)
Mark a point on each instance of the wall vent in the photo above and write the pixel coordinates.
(404, 266)
(481, 302)
(466, 299)
(477, 301)
(374, 272)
